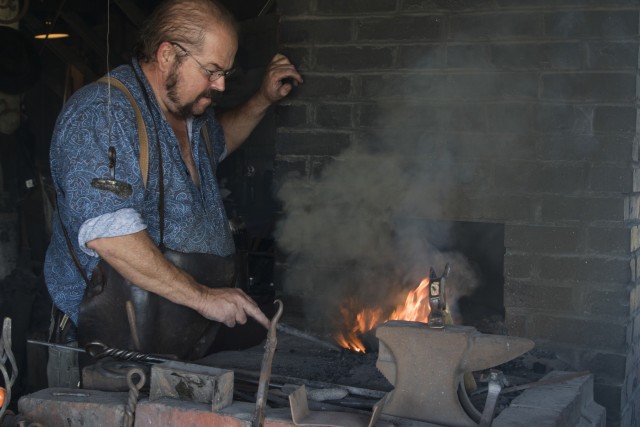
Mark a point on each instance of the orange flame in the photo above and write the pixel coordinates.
(415, 308)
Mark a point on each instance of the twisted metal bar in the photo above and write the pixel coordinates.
(134, 393)
(99, 350)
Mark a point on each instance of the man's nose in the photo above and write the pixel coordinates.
(218, 84)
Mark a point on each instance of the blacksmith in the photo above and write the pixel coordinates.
(141, 253)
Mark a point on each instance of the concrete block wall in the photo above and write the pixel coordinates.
(532, 103)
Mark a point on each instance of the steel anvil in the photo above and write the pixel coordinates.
(426, 366)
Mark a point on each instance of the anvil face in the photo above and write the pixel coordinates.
(426, 366)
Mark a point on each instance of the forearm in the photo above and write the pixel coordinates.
(280, 78)
(137, 259)
(241, 121)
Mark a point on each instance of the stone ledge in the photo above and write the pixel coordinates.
(53, 407)
(172, 412)
(566, 404)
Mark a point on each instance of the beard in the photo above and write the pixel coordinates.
(187, 109)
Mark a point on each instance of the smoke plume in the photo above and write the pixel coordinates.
(355, 232)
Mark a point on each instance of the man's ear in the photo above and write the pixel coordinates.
(164, 55)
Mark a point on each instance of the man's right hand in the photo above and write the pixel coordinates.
(230, 306)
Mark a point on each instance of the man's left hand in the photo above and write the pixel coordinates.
(280, 78)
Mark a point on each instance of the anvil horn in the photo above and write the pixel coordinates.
(486, 351)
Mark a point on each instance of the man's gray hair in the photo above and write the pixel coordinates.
(185, 21)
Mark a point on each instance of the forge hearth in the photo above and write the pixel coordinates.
(356, 391)
(301, 362)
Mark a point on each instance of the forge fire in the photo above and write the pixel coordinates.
(358, 320)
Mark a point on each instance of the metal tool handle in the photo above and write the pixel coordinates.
(265, 370)
(112, 162)
(496, 382)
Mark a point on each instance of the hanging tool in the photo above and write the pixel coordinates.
(120, 188)
(265, 369)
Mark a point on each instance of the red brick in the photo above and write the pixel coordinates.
(63, 407)
(171, 412)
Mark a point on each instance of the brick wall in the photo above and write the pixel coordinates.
(518, 112)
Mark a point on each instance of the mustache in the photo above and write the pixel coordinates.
(210, 93)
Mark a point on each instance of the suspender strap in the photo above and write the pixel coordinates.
(142, 129)
(147, 101)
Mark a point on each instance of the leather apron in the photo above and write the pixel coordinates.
(161, 326)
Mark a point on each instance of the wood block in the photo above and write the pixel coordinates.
(191, 382)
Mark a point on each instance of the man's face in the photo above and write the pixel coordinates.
(188, 86)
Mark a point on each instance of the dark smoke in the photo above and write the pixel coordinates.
(353, 232)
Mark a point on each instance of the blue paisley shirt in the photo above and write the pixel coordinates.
(95, 118)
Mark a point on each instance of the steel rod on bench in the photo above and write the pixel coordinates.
(298, 333)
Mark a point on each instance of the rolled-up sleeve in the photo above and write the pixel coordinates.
(113, 224)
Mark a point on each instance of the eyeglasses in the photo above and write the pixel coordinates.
(212, 75)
